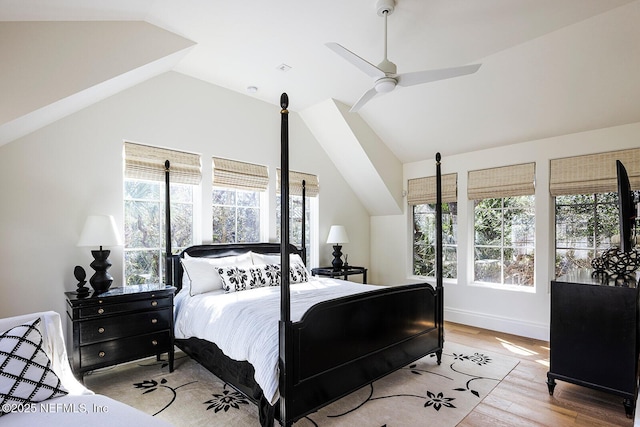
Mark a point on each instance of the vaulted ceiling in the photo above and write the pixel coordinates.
(549, 67)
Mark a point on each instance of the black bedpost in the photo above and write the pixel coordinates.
(168, 267)
(285, 362)
(439, 256)
(304, 221)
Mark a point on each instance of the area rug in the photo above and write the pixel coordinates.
(423, 393)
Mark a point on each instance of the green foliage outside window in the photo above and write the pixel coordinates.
(144, 228)
(424, 243)
(585, 224)
(236, 216)
(504, 240)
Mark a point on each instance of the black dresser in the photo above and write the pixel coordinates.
(594, 334)
(120, 325)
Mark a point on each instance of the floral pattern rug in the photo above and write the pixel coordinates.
(423, 393)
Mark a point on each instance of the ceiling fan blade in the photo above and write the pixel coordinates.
(364, 65)
(366, 97)
(419, 77)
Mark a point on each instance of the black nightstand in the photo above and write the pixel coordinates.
(342, 272)
(120, 325)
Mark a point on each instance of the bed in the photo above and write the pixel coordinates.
(76, 405)
(324, 350)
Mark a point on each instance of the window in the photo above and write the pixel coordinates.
(311, 191)
(424, 240)
(504, 224)
(585, 224)
(236, 215)
(585, 191)
(144, 208)
(238, 196)
(145, 246)
(421, 194)
(504, 240)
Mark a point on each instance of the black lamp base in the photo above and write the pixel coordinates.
(101, 280)
(337, 257)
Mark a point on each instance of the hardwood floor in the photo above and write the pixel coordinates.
(522, 398)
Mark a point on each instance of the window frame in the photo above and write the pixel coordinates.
(444, 243)
(262, 203)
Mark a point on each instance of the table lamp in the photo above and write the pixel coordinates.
(337, 235)
(100, 230)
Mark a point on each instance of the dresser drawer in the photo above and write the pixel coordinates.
(122, 350)
(123, 307)
(107, 328)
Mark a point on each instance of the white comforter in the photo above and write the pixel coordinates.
(244, 325)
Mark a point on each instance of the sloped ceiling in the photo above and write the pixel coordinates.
(549, 67)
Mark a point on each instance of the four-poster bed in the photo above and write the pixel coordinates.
(324, 350)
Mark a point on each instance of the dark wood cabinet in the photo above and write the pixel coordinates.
(594, 335)
(120, 325)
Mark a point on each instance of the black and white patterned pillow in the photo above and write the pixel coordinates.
(234, 279)
(270, 272)
(298, 273)
(25, 369)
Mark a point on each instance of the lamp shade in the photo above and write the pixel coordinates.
(337, 234)
(99, 230)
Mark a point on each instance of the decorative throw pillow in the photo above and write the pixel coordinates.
(203, 272)
(25, 369)
(269, 272)
(235, 279)
(298, 273)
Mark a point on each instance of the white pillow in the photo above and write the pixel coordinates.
(203, 273)
(26, 375)
(274, 259)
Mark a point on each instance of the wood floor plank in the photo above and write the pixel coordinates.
(522, 398)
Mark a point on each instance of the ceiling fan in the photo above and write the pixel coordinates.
(385, 73)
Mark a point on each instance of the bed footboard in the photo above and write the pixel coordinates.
(346, 343)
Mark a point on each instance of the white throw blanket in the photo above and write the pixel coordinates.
(244, 325)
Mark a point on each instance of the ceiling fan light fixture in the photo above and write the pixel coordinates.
(385, 84)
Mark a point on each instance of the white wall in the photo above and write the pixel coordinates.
(53, 178)
(521, 313)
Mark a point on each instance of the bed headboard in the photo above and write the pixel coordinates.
(222, 250)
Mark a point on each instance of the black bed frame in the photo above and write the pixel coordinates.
(339, 345)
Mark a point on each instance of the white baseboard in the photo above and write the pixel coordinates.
(497, 323)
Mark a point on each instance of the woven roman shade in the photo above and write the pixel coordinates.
(147, 162)
(506, 181)
(312, 186)
(593, 173)
(423, 190)
(240, 175)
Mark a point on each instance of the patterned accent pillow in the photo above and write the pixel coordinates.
(235, 279)
(298, 273)
(271, 273)
(25, 369)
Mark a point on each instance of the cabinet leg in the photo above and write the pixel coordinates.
(551, 384)
(629, 407)
(439, 356)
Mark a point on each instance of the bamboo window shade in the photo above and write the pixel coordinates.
(147, 162)
(423, 190)
(505, 181)
(312, 186)
(240, 175)
(593, 173)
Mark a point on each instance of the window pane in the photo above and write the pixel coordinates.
(488, 226)
(519, 227)
(181, 193)
(224, 224)
(574, 228)
(143, 190)
(248, 198)
(424, 244)
(181, 225)
(141, 227)
(142, 266)
(224, 197)
(248, 225)
(518, 266)
(487, 265)
(571, 259)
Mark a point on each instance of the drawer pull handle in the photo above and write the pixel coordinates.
(154, 303)
(102, 354)
(101, 330)
(154, 321)
(100, 310)
(154, 342)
